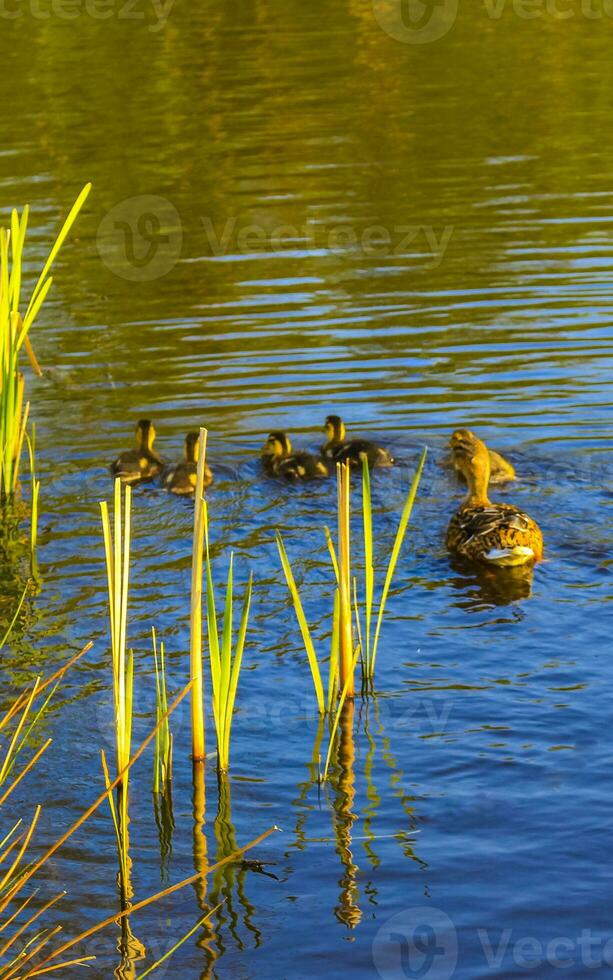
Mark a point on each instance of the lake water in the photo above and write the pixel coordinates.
(298, 209)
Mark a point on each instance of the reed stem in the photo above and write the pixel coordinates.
(195, 636)
(117, 555)
(346, 669)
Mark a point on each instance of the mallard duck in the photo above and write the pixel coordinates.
(182, 478)
(278, 459)
(501, 471)
(338, 449)
(498, 534)
(142, 463)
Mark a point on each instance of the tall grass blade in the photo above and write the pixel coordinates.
(68, 223)
(400, 534)
(162, 759)
(225, 665)
(334, 652)
(176, 946)
(303, 625)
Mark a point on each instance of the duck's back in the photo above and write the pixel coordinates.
(136, 464)
(353, 450)
(499, 534)
(300, 466)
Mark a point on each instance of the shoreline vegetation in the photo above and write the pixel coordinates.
(355, 631)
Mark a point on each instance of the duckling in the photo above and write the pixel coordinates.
(501, 471)
(142, 463)
(498, 534)
(278, 459)
(182, 478)
(340, 450)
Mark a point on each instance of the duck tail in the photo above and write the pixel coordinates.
(519, 554)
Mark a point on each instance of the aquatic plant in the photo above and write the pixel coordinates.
(117, 557)
(350, 638)
(225, 661)
(26, 720)
(306, 633)
(373, 610)
(225, 658)
(162, 759)
(35, 492)
(14, 335)
(26, 947)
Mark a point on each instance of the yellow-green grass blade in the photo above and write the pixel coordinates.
(303, 625)
(112, 807)
(21, 421)
(212, 630)
(8, 875)
(236, 668)
(162, 750)
(28, 731)
(400, 534)
(334, 650)
(18, 231)
(15, 616)
(33, 311)
(176, 946)
(5, 298)
(16, 734)
(226, 643)
(27, 768)
(129, 706)
(35, 945)
(332, 551)
(364, 662)
(30, 922)
(165, 730)
(108, 555)
(35, 486)
(80, 201)
(8, 836)
(7, 923)
(157, 751)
